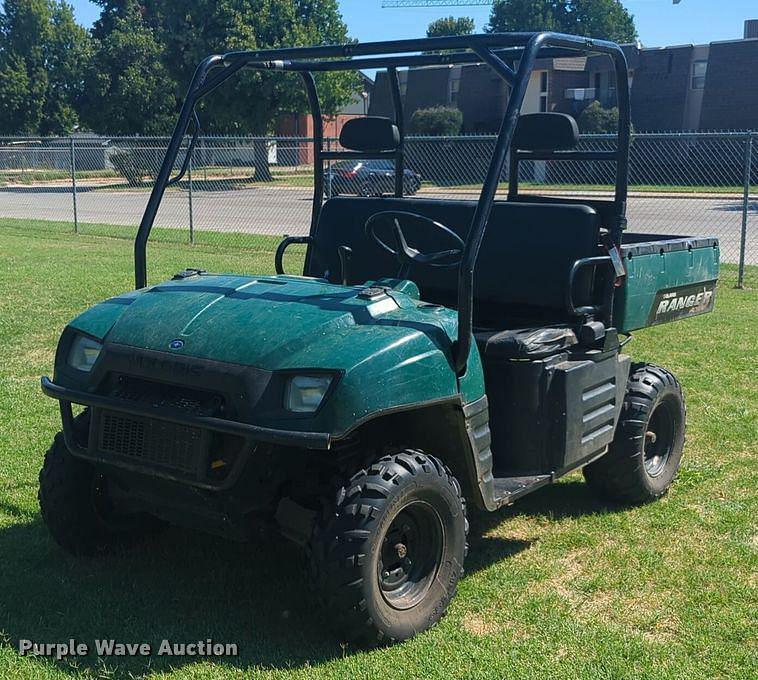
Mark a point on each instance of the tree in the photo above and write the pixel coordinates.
(43, 54)
(189, 31)
(450, 26)
(596, 120)
(438, 120)
(605, 19)
(18, 112)
(69, 53)
(128, 87)
(178, 35)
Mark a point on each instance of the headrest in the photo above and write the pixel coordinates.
(545, 132)
(370, 133)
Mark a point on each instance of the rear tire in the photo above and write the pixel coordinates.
(387, 559)
(646, 452)
(76, 506)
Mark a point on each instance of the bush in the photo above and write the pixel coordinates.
(131, 165)
(597, 120)
(438, 120)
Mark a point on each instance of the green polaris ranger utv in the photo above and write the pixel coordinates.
(433, 354)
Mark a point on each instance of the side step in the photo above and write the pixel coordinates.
(509, 489)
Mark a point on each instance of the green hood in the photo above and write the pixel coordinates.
(276, 322)
(391, 349)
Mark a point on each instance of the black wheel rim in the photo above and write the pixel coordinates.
(410, 555)
(659, 439)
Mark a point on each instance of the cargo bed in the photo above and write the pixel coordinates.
(668, 278)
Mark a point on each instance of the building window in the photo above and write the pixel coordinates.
(543, 91)
(699, 69)
(455, 86)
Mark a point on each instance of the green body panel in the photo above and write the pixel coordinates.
(389, 352)
(98, 320)
(653, 275)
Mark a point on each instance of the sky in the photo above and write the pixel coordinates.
(659, 22)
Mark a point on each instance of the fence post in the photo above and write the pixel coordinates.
(748, 163)
(329, 169)
(73, 181)
(189, 194)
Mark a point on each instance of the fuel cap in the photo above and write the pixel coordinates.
(372, 293)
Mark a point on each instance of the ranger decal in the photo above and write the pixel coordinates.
(682, 302)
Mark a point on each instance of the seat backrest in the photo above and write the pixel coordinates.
(370, 133)
(524, 261)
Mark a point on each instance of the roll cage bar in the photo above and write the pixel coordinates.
(511, 55)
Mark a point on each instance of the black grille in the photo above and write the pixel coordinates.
(167, 396)
(147, 440)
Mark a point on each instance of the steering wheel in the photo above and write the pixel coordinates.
(405, 254)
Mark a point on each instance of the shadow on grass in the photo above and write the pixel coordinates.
(179, 585)
(569, 499)
(184, 587)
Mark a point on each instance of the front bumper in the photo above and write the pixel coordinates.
(251, 434)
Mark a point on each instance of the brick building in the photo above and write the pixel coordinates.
(688, 87)
(301, 124)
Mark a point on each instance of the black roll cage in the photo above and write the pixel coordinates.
(511, 55)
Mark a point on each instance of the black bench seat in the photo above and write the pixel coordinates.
(523, 265)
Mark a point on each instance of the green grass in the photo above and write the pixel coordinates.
(306, 180)
(641, 188)
(34, 175)
(217, 178)
(558, 586)
(226, 240)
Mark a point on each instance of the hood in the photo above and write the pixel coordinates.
(391, 349)
(277, 322)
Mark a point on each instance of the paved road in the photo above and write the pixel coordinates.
(285, 210)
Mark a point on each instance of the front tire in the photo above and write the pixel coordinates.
(387, 559)
(644, 457)
(76, 505)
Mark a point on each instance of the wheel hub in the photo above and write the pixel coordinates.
(659, 439)
(410, 555)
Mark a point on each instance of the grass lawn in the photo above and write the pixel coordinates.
(558, 586)
(218, 178)
(640, 188)
(34, 175)
(226, 240)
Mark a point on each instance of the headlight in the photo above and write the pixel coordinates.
(83, 353)
(305, 393)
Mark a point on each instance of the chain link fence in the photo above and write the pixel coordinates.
(247, 192)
